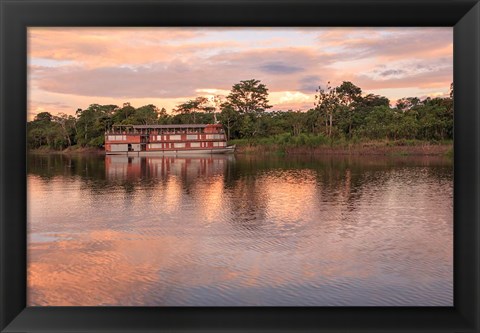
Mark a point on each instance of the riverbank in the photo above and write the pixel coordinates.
(262, 146)
(384, 148)
(74, 150)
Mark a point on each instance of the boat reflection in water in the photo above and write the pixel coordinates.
(217, 230)
(122, 167)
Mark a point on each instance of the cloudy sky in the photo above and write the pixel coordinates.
(70, 68)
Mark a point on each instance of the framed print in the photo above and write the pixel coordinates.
(239, 166)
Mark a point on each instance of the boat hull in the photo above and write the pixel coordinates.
(226, 150)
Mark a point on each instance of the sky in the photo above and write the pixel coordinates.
(71, 68)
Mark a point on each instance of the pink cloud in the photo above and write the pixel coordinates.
(180, 78)
(112, 46)
(167, 64)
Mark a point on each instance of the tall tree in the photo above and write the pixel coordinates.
(348, 95)
(327, 101)
(249, 96)
(217, 101)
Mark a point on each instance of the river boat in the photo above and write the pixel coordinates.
(186, 139)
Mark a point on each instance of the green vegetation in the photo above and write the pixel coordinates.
(340, 116)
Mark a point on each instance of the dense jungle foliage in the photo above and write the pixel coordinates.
(340, 113)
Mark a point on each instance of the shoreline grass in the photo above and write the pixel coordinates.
(312, 144)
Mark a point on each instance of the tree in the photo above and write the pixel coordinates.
(296, 120)
(348, 95)
(92, 124)
(144, 115)
(315, 119)
(191, 107)
(406, 125)
(163, 117)
(450, 100)
(120, 115)
(327, 101)
(218, 101)
(67, 124)
(35, 135)
(228, 117)
(249, 97)
(378, 123)
(44, 117)
(407, 103)
(372, 100)
(436, 118)
(44, 130)
(338, 112)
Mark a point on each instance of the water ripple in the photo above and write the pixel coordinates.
(243, 231)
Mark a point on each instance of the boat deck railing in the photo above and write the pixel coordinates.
(161, 129)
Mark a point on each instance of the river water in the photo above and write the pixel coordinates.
(240, 231)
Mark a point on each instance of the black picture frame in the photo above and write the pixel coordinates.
(17, 15)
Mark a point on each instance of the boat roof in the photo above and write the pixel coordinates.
(167, 126)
